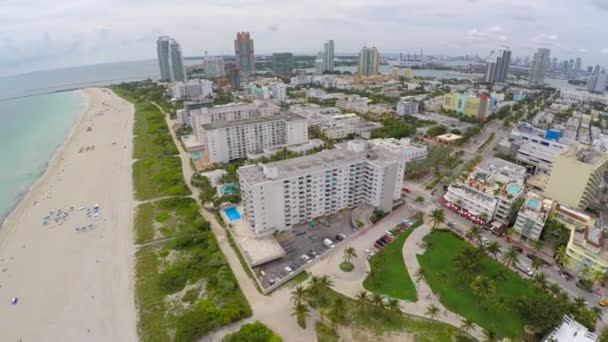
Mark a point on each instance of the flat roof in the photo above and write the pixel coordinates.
(317, 162)
(253, 120)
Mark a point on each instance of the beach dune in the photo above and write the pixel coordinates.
(75, 285)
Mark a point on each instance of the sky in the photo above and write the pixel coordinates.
(47, 34)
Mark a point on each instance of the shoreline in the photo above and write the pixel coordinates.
(66, 250)
(53, 160)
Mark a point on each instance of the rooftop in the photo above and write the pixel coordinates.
(318, 162)
(254, 120)
(585, 155)
(570, 331)
(536, 206)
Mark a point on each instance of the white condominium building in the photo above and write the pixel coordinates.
(405, 107)
(276, 196)
(340, 126)
(353, 102)
(411, 151)
(490, 190)
(226, 141)
(192, 89)
(532, 216)
(202, 115)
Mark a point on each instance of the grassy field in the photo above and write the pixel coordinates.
(153, 145)
(185, 289)
(166, 218)
(378, 322)
(325, 333)
(456, 295)
(389, 275)
(158, 177)
(148, 119)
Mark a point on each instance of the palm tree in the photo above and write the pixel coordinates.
(489, 334)
(538, 245)
(349, 253)
(560, 255)
(432, 311)
(377, 300)
(438, 217)
(493, 248)
(420, 275)
(301, 312)
(597, 276)
(500, 275)
(362, 299)
(536, 263)
(554, 289)
(483, 287)
(467, 325)
(325, 283)
(510, 258)
(474, 234)
(483, 216)
(540, 280)
(393, 305)
(298, 295)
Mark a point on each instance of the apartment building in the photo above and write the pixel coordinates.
(490, 190)
(468, 105)
(276, 196)
(405, 146)
(570, 331)
(405, 107)
(192, 89)
(587, 249)
(226, 141)
(576, 176)
(340, 126)
(355, 103)
(532, 216)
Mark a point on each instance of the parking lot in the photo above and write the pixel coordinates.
(305, 239)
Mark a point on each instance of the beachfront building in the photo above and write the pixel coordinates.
(369, 60)
(405, 107)
(411, 151)
(192, 89)
(244, 56)
(170, 60)
(276, 196)
(468, 105)
(227, 141)
(532, 216)
(570, 331)
(576, 176)
(489, 192)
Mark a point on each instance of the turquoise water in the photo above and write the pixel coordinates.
(513, 189)
(229, 189)
(533, 204)
(232, 213)
(196, 155)
(32, 129)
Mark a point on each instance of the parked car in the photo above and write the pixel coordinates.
(338, 238)
(603, 302)
(328, 243)
(385, 241)
(377, 245)
(382, 242)
(305, 258)
(566, 275)
(312, 254)
(288, 269)
(388, 238)
(389, 233)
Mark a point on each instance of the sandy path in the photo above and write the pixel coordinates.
(75, 286)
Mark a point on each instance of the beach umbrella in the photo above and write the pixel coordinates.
(14, 300)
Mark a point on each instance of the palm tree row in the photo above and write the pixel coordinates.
(304, 298)
(377, 301)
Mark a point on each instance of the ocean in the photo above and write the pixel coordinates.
(33, 124)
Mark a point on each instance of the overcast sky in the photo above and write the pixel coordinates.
(44, 34)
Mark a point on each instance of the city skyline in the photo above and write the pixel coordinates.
(73, 33)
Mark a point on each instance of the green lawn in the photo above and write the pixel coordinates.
(166, 218)
(158, 177)
(148, 119)
(456, 295)
(153, 145)
(389, 275)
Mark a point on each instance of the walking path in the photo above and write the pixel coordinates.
(273, 310)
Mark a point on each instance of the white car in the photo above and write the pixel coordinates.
(288, 269)
(305, 258)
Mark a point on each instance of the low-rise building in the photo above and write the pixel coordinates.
(570, 331)
(468, 105)
(191, 89)
(353, 102)
(405, 107)
(532, 216)
(411, 151)
(341, 126)
(448, 138)
(576, 176)
(226, 141)
(489, 191)
(276, 196)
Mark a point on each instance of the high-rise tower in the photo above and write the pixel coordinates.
(244, 56)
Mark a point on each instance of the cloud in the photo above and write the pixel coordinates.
(546, 40)
(490, 34)
(273, 28)
(604, 51)
(601, 4)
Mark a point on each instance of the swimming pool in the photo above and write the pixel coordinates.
(196, 155)
(513, 189)
(532, 203)
(232, 213)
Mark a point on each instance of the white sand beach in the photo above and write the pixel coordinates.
(75, 285)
